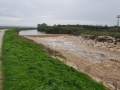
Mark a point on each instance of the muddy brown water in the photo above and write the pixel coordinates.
(31, 32)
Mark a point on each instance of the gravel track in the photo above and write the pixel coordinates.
(1, 37)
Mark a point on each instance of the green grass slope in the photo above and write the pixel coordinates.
(26, 66)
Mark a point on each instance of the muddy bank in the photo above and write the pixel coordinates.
(100, 63)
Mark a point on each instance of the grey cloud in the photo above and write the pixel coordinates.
(59, 11)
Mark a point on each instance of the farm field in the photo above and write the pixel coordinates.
(27, 66)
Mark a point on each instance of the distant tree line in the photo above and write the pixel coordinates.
(76, 29)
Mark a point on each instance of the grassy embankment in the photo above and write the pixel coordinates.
(26, 66)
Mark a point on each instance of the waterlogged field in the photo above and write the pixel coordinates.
(26, 66)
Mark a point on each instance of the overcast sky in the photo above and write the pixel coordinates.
(32, 12)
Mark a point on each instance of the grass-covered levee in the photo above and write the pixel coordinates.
(26, 66)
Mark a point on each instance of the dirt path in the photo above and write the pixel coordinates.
(1, 36)
(101, 64)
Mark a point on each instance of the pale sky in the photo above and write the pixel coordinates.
(32, 12)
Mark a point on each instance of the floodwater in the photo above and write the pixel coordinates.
(31, 32)
(99, 60)
(101, 64)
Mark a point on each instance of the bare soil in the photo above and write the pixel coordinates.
(98, 61)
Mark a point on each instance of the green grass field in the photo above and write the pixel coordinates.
(26, 66)
(94, 32)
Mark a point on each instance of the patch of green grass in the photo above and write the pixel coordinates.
(26, 66)
(95, 32)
